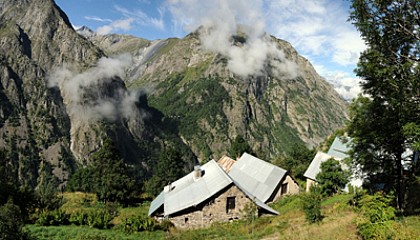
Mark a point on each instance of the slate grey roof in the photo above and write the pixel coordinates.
(339, 149)
(256, 176)
(314, 167)
(189, 191)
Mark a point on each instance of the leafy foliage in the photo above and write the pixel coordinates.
(376, 215)
(139, 223)
(239, 146)
(332, 177)
(170, 168)
(107, 176)
(390, 70)
(296, 161)
(11, 222)
(311, 205)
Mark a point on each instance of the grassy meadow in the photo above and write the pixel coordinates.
(339, 222)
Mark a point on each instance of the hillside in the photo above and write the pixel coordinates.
(212, 104)
(63, 94)
(59, 98)
(339, 223)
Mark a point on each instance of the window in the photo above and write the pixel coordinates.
(284, 188)
(230, 204)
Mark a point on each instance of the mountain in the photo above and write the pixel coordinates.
(60, 98)
(212, 105)
(62, 94)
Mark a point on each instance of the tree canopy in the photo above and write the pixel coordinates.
(332, 177)
(389, 68)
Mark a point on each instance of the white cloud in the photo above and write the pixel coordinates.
(98, 19)
(123, 24)
(346, 85)
(222, 19)
(142, 18)
(90, 95)
(316, 28)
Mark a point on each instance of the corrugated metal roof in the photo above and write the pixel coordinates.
(256, 176)
(339, 149)
(226, 163)
(315, 166)
(188, 191)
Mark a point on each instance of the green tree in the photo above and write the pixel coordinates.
(107, 176)
(332, 177)
(11, 222)
(239, 146)
(296, 161)
(389, 68)
(170, 167)
(311, 205)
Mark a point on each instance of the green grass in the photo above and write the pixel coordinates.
(84, 232)
(338, 223)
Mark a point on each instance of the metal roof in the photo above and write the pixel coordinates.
(339, 148)
(156, 203)
(189, 191)
(257, 176)
(315, 166)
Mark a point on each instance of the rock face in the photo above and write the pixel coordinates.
(52, 118)
(212, 105)
(39, 130)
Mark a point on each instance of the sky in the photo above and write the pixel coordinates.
(318, 29)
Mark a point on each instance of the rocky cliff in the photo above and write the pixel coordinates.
(212, 104)
(59, 98)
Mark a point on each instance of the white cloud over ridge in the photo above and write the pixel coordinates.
(122, 24)
(76, 87)
(219, 20)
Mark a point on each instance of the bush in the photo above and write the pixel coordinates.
(311, 204)
(138, 224)
(11, 223)
(376, 217)
(166, 225)
(94, 217)
(52, 218)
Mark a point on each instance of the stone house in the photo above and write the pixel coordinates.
(339, 151)
(262, 179)
(206, 195)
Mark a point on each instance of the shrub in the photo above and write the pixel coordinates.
(375, 217)
(311, 204)
(166, 225)
(11, 223)
(138, 223)
(52, 218)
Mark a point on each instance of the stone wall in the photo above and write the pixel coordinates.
(213, 210)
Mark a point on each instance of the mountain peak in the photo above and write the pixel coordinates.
(85, 31)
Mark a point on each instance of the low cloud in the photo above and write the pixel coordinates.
(346, 85)
(95, 94)
(122, 24)
(317, 28)
(219, 20)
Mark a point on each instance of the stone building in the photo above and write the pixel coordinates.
(204, 196)
(339, 151)
(262, 179)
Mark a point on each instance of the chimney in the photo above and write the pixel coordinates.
(197, 172)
